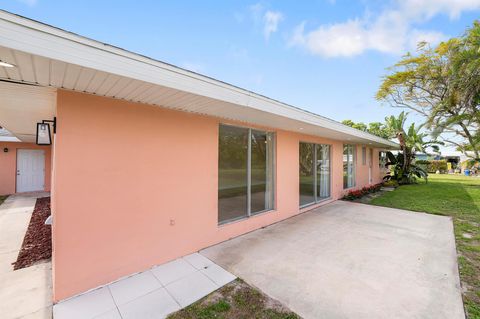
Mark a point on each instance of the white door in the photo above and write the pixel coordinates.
(30, 170)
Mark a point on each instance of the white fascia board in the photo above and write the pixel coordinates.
(9, 139)
(33, 37)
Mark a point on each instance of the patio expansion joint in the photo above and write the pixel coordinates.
(167, 291)
(200, 271)
(114, 301)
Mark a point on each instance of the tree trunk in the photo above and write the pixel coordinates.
(403, 148)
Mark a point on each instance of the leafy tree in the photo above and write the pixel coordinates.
(359, 126)
(379, 129)
(443, 85)
(411, 141)
(375, 128)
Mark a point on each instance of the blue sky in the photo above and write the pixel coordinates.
(325, 56)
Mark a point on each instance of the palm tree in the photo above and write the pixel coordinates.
(395, 125)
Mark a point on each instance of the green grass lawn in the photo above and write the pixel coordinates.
(458, 197)
(237, 300)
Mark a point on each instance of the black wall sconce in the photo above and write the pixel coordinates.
(43, 132)
(5, 150)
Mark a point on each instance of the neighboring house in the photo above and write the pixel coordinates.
(151, 162)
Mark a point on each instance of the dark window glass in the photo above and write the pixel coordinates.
(245, 172)
(232, 173)
(259, 171)
(307, 171)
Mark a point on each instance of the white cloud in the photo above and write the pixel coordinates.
(391, 31)
(343, 39)
(267, 19)
(271, 20)
(429, 8)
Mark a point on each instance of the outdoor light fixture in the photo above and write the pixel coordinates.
(43, 131)
(5, 149)
(43, 134)
(6, 64)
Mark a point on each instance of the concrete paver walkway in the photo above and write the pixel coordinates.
(349, 260)
(24, 293)
(152, 294)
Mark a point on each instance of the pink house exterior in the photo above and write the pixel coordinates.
(151, 162)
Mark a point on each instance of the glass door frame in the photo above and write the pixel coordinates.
(273, 159)
(316, 200)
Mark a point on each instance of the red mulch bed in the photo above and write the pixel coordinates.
(37, 244)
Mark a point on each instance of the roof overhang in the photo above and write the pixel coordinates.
(6, 136)
(51, 57)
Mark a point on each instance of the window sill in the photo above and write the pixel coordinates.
(241, 219)
(315, 203)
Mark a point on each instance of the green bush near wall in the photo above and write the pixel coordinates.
(423, 164)
(433, 166)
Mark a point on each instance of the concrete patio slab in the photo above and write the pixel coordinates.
(154, 293)
(349, 260)
(25, 293)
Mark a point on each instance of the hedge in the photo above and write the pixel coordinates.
(433, 166)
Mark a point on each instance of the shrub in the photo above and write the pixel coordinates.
(391, 183)
(423, 164)
(359, 193)
(440, 165)
(433, 166)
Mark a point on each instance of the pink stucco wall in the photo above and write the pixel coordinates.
(8, 165)
(136, 185)
(362, 175)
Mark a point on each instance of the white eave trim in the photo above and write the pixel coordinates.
(33, 37)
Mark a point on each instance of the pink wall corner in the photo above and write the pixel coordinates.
(8, 165)
(136, 185)
(361, 169)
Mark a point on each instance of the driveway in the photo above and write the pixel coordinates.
(25, 293)
(349, 260)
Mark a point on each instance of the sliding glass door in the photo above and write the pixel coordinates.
(261, 171)
(232, 172)
(349, 159)
(307, 174)
(314, 161)
(245, 172)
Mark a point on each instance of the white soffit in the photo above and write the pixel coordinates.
(6, 136)
(22, 106)
(49, 56)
